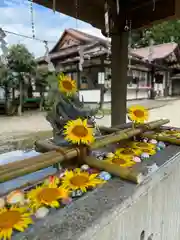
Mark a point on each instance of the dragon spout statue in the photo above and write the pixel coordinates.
(67, 108)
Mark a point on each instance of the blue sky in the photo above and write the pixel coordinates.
(15, 17)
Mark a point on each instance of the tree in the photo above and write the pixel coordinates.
(165, 32)
(21, 62)
(41, 83)
(20, 59)
(6, 83)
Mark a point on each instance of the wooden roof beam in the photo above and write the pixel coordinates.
(140, 12)
(86, 10)
(146, 15)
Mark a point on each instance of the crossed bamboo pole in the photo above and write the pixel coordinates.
(20, 168)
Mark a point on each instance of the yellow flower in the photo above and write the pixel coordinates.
(48, 195)
(67, 85)
(141, 145)
(150, 151)
(138, 114)
(120, 161)
(128, 152)
(11, 219)
(78, 180)
(77, 132)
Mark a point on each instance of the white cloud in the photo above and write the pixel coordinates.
(16, 18)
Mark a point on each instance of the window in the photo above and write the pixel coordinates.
(158, 78)
(84, 80)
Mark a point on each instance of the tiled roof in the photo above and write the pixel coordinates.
(86, 36)
(82, 36)
(158, 51)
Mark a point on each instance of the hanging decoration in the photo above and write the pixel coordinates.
(129, 47)
(107, 28)
(150, 55)
(32, 19)
(126, 28)
(106, 18)
(47, 58)
(81, 60)
(117, 7)
(81, 49)
(3, 45)
(76, 7)
(154, 5)
(54, 6)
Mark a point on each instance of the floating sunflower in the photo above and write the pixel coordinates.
(150, 151)
(67, 85)
(11, 219)
(80, 180)
(138, 114)
(128, 152)
(48, 195)
(120, 161)
(143, 145)
(78, 132)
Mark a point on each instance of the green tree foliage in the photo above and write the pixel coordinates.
(41, 77)
(20, 59)
(165, 32)
(17, 73)
(6, 83)
(3, 74)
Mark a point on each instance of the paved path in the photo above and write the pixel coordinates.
(36, 121)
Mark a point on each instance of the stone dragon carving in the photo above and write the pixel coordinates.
(65, 109)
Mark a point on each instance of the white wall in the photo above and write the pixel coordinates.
(93, 96)
(1, 93)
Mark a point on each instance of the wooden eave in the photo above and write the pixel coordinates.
(81, 37)
(172, 59)
(67, 52)
(92, 55)
(140, 12)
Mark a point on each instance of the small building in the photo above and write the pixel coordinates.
(167, 55)
(87, 59)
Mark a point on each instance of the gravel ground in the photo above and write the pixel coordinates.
(12, 127)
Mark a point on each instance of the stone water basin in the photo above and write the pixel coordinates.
(18, 155)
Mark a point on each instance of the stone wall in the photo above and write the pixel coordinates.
(120, 210)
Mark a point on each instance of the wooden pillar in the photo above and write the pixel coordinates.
(119, 64)
(166, 84)
(152, 93)
(102, 88)
(78, 77)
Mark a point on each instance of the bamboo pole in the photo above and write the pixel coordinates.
(162, 138)
(127, 133)
(46, 145)
(26, 169)
(125, 173)
(13, 170)
(120, 127)
(27, 162)
(118, 136)
(154, 124)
